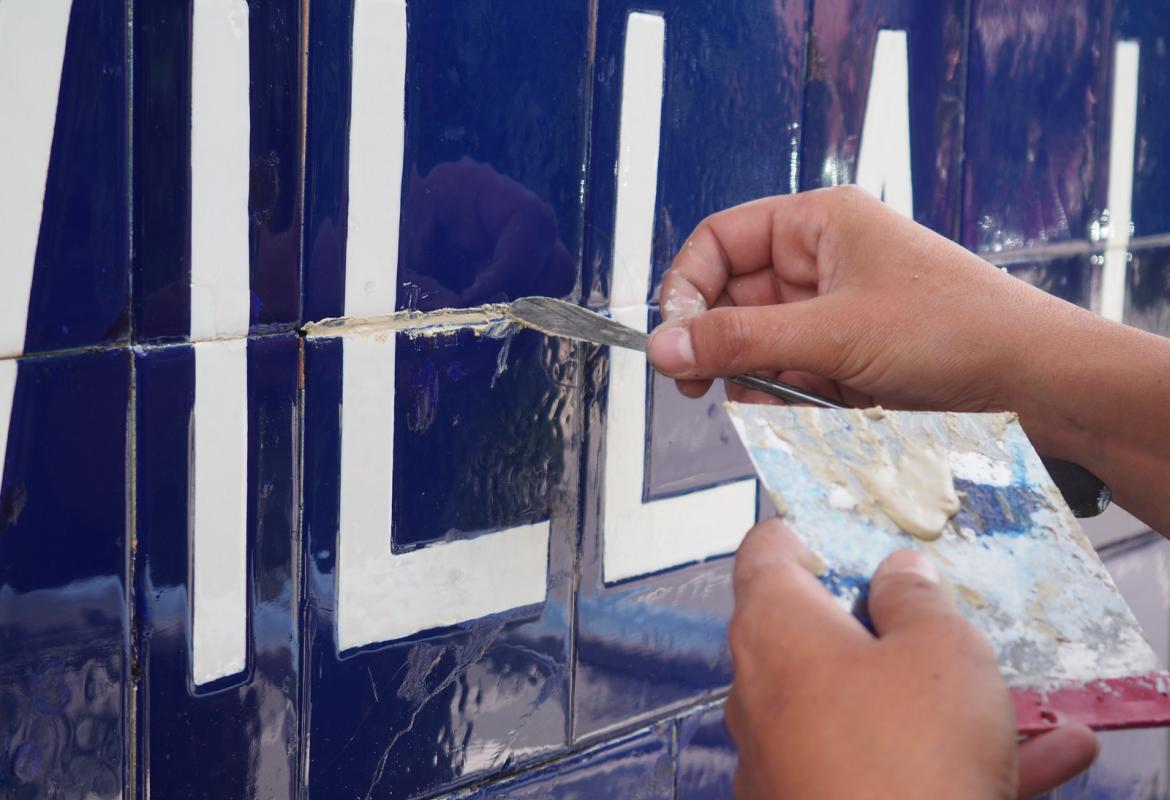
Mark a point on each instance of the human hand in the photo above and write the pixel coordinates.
(819, 708)
(833, 291)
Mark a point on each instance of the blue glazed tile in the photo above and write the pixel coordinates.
(651, 622)
(1135, 763)
(637, 766)
(248, 727)
(1148, 24)
(692, 443)
(79, 290)
(492, 166)
(842, 45)
(165, 43)
(730, 119)
(454, 694)
(1147, 299)
(1073, 278)
(706, 757)
(1034, 123)
(64, 624)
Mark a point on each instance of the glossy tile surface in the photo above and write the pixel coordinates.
(64, 620)
(205, 200)
(706, 757)
(1147, 304)
(846, 76)
(492, 160)
(640, 765)
(1147, 24)
(1035, 123)
(66, 257)
(247, 723)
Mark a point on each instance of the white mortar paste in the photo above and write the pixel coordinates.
(1013, 554)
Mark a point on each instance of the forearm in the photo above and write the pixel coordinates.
(1098, 393)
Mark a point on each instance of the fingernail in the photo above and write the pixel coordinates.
(670, 350)
(682, 301)
(908, 562)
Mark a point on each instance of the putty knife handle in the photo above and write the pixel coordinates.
(1086, 494)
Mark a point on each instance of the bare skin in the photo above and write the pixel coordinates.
(919, 712)
(836, 292)
(833, 291)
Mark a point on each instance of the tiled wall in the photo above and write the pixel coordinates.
(239, 562)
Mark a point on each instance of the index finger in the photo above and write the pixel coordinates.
(778, 233)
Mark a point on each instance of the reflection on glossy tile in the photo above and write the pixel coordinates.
(847, 86)
(64, 232)
(1147, 299)
(246, 723)
(492, 167)
(706, 757)
(1148, 25)
(64, 665)
(1135, 764)
(730, 119)
(1035, 123)
(1075, 278)
(217, 211)
(477, 690)
(638, 766)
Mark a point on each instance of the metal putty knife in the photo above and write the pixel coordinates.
(1085, 493)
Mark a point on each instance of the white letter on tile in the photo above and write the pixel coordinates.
(381, 595)
(640, 538)
(1120, 200)
(32, 56)
(883, 163)
(8, 368)
(219, 537)
(220, 165)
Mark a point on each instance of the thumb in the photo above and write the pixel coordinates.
(905, 591)
(735, 339)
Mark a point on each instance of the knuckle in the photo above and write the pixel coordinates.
(720, 341)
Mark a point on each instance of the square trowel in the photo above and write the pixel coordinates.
(968, 491)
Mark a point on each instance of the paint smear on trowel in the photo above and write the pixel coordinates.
(1003, 550)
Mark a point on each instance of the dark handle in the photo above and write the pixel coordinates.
(1086, 494)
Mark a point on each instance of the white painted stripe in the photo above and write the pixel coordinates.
(32, 55)
(376, 140)
(637, 166)
(883, 161)
(1123, 135)
(8, 370)
(220, 166)
(640, 538)
(382, 596)
(219, 536)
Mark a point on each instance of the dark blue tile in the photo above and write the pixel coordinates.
(79, 290)
(1035, 123)
(64, 622)
(1147, 299)
(842, 47)
(493, 161)
(1072, 278)
(1148, 24)
(166, 41)
(438, 687)
(730, 119)
(247, 724)
(706, 757)
(637, 766)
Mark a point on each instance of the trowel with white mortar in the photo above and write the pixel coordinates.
(970, 492)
